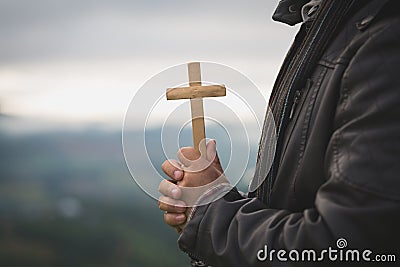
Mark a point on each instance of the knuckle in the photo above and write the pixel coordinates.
(183, 150)
(167, 167)
(161, 186)
(164, 165)
(188, 153)
(169, 219)
(166, 218)
(161, 203)
(187, 150)
(180, 152)
(174, 165)
(165, 203)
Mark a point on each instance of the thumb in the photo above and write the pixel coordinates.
(211, 149)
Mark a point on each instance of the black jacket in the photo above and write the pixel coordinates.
(336, 171)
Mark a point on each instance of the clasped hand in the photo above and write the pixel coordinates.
(189, 178)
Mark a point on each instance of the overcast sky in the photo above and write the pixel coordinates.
(83, 60)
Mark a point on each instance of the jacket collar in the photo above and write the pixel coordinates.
(289, 11)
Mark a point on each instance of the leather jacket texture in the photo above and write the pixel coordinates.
(336, 172)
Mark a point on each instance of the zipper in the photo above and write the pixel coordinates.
(297, 96)
(285, 69)
(326, 22)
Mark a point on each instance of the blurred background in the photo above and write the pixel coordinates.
(68, 70)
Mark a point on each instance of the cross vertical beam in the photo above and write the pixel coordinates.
(196, 106)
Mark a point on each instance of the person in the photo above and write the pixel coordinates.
(334, 184)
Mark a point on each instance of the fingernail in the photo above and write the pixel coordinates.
(175, 192)
(177, 174)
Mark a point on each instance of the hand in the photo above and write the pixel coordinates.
(197, 171)
(191, 171)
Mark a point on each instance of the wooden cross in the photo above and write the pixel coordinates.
(195, 92)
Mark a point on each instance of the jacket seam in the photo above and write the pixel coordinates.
(306, 126)
(340, 176)
(326, 63)
(344, 92)
(350, 60)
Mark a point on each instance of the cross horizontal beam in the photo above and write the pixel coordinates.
(196, 92)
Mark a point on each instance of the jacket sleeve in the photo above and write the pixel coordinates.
(360, 201)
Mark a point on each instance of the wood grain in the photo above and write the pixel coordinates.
(196, 92)
(196, 105)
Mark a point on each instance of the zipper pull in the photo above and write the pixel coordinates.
(297, 96)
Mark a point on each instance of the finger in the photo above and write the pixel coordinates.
(171, 205)
(173, 169)
(211, 149)
(174, 219)
(212, 154)
(187, 155)
(169, 189)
